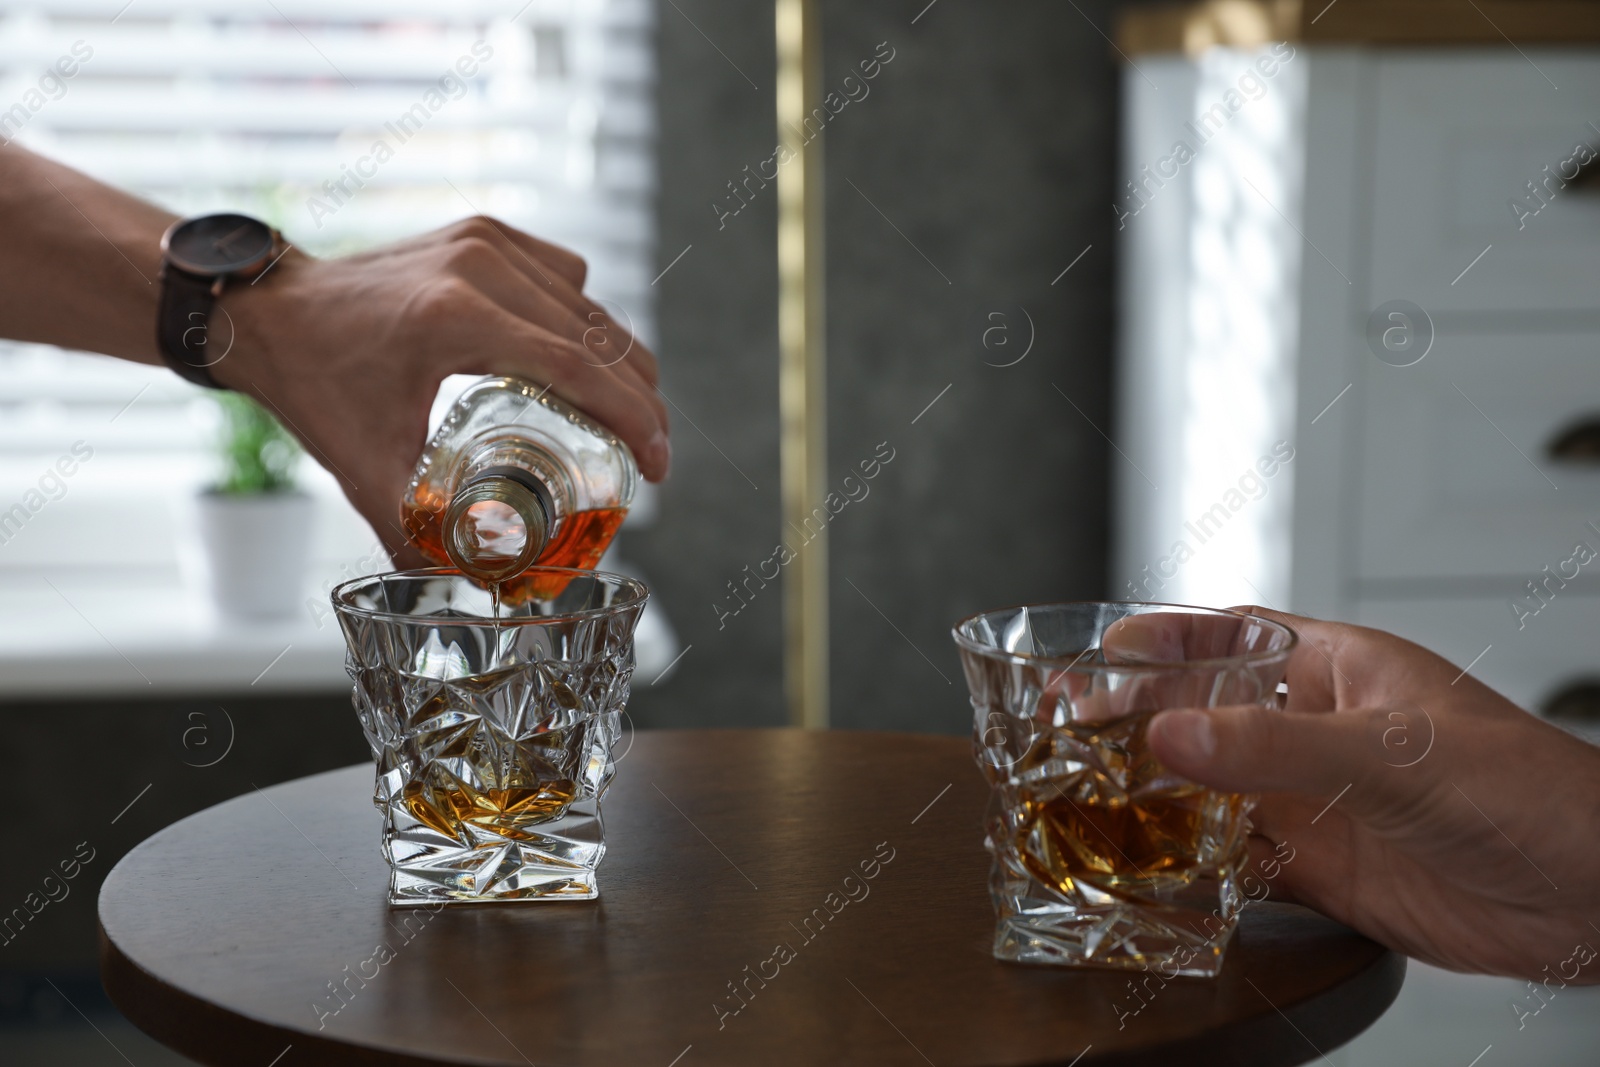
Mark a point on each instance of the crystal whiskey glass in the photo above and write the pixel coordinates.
(492, 731)
(1102, 856)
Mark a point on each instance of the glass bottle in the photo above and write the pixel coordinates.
(516, 477)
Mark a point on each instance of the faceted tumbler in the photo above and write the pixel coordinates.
(1102, 856)
(492, 727)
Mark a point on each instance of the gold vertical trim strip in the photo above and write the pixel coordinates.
(801, 363)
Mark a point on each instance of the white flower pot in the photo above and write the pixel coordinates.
(254, 552)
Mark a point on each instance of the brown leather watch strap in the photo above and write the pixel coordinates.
(183, 326)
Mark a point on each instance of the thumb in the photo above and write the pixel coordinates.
(1251, 749)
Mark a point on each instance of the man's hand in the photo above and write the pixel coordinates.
(1424, 809)
(349, 353)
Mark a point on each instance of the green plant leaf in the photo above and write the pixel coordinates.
(258, 455)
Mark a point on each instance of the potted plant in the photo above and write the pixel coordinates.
(254, 524)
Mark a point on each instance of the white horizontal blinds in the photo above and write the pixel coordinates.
(210, 102)
(347, 123)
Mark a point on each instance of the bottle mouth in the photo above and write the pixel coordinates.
(498, 524)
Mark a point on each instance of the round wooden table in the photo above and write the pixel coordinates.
(259, 929)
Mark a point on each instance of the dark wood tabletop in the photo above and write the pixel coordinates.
(226, 935)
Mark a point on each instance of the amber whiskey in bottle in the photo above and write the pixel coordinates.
(515, 478)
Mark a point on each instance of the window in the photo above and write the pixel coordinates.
(542, 117)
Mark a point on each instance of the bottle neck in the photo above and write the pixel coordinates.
(498, 523)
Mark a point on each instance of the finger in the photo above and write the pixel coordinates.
(1172, 636)
(379, 502)
(557, 270)
(486, 339)
(562, 272)
(1252, 749)
(527, 253)
(480, 263)
(1289, 815)
(631, 352)
(484, 262)
(1316, 677)
(617, 403)
(617, 346)
(1249, 749)
(1157, 637)
(548, 262)
(1339, 665)
(1178, 636)
(1262, 878)
(1073, 695)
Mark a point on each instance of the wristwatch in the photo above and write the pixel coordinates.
(199, 257)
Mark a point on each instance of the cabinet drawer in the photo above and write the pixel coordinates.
(1554, 649)
(1456, 473)
(1458, 137)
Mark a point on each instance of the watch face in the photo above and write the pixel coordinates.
(218, 244)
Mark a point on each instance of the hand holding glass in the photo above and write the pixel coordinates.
(1103, 857)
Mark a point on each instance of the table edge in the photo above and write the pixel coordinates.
(1265, 1038)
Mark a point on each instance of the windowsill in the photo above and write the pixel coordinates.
(131, 626)
(156, 637)
(81, 639)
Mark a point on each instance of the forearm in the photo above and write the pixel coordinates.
(79, 262)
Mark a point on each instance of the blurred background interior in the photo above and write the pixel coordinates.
(1089, 268)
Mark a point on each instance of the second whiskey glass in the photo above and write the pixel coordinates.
(1102, 856)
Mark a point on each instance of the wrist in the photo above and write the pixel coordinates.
(245, 319)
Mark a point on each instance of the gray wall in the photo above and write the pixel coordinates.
(988, 142)
(717, 319)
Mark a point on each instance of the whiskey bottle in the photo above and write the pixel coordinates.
(514, 477)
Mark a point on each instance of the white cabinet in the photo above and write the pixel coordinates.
(1420, 498)
(1456, 139)
(1455, 477)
